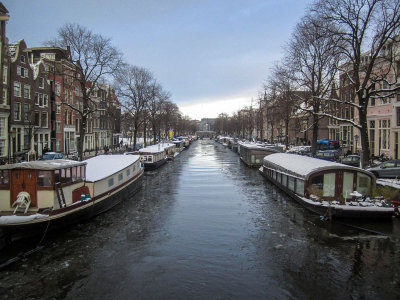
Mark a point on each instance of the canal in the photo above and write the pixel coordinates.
(205, 226)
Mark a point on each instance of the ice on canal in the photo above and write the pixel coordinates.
(205, 226)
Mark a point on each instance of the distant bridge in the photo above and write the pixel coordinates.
(205, 134)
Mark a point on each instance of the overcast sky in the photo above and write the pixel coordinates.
(212, 56)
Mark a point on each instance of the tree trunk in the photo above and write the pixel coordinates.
(82, 131)
(365, 151)
(144, 135)
(315, 134)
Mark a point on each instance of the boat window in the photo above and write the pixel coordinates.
(66, 175)
(4, 179)
(291, 183)
(278, 177)
(300, 187)
(284, 180)
(316, 186)
(329, 184)
(44, 178)
(363, 183)
(110, 182)
(348, 179)
(74, 174)
(16, 175)
(134, 168)
(253, 159)
(128, 172)
(120, 176)
(57, 177)
(149, 158)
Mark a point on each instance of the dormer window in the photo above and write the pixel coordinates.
(22, 58)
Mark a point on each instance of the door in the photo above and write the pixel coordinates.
(23, 181)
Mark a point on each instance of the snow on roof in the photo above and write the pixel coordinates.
(258, 146)
(394, 183)
(102, 166)
(156, 148)
(44, 164)
(304, 165)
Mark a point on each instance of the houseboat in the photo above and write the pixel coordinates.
(252, 154)
(40, 195)
(326, 188)
(170, 151)
(153, 156)
(180, 146)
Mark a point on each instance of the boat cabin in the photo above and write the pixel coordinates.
(253, 154)
(49, 184)
(313, 178)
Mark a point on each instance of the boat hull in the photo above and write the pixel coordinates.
(154, 165)
(64, 217)
(335, 211)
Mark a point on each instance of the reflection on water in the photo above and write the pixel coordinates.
(206, 226)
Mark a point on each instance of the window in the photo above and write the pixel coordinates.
(5, 74)
(44, 178)
(4, 96)
(384, 134)
(37, 118)
(41, 82)
(17, 111)
(22, 58)
(4, 179)
(26, 112)
(120, 176)
(58, 108)
(363, 183)
(58, 126)
(128, 172)
(27, 91)
(17, 89)
(45, 100)
(58, 89)
(21, 71)
(397, 116)
(110, 182)
(44, 120)
(40, 99)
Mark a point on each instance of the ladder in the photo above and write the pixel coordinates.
(60, 195)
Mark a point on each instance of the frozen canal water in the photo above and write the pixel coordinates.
(207, 227)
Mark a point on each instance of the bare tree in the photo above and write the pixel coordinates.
(154, 107)
(312, 56)
(283, 98)
(93, 58)
(368, 32)
(133, 86)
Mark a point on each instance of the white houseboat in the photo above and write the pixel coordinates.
(252, 154)
(327, 188)
(153, 156)
(55, 193)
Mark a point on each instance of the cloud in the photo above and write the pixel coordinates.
(211, 108)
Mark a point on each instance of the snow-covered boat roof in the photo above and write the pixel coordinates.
(102, 166)
(156, 148)
(303, 166)
(48, 165)
(258, 146)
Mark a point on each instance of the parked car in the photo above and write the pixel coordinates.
(51, 155)
(351, 160)
(387, 169)
(328, 155)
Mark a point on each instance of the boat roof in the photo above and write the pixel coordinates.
(258, 146)
(102, 166)
(156, 148)
(48, 165)
(303, 166)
